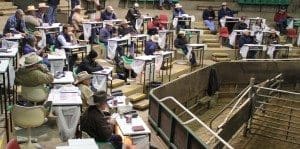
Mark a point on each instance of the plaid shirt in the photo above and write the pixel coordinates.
(14, 25)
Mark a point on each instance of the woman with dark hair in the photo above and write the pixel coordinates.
(89, 64)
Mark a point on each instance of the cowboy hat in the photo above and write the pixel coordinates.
(224, 4)
(109, 8)
(181, 32)
(178, 5)
(37, 34)
(30, 59)
(82, 76)
(77, 7)
(98, 97)
(136, 5)
(31, 8)
(155, 38)
(20, 11)
(43, 5)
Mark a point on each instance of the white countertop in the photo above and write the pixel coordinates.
(65, 96)
(105, 71)
(67, 79)
(4, 65)
(76, 46)
(11, 53)
(126, 128)
(59, 54)
(145, 57)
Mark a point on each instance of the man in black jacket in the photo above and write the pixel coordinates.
(209, 17)
(180, 42)
(133, 14)
(89, 64)
(97, 123)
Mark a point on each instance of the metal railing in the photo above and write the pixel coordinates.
(195, 118)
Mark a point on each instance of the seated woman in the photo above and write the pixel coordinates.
(97, 123)
(151, 45)
(33, 76)
(89, 64)
(180, 42)
(31, 47)
(83, 82)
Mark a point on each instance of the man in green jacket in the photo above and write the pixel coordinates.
(33, 77)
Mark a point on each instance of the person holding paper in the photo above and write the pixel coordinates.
(97, 122)
(41, 13)
(15, 24)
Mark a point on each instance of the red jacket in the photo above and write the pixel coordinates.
(280, 16)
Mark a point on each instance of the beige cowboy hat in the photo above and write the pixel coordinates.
(37, 34)
(155, 38)
(181, 32)
(82, 76)
(178, 5)
(31, 8)
(136, 5)
(110, 8)
(77, 7)
(224, 4)
(30, 59)
(43, 5)
(98, 97)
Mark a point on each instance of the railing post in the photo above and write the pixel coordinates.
(252, 107)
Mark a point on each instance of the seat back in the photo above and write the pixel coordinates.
(292, 33)
(224, 32)
(13, 144)
(163, 18)
(27, 117)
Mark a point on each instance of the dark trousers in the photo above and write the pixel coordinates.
(74, 3)
(251, 54)
(193, 58)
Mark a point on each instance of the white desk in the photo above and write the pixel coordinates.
(67, 79)
(59, 54)
(167, 58)
(198, 33)
(65, 96)
(126, 128)
(47, 27)
(148, 59)
(107, 71)
(275, 47)
(12, 54)
(253, 47)
(121, 104)
(75, 49)
(200, 52)
(14, 37)
(80, 144)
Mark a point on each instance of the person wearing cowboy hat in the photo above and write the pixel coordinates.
(152, 45)
(178, 11)
(180, 43)
(125, 29)
(225, 11)
(41, 13)
(32, 76)
(83, 82)
(31, 20)
(273, 38)
(97, 122)
(77, 18)
(108, 14)
(133, 14)
(247, 39)
(52, 10)
(15, 24)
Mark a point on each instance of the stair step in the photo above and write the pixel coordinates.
(137, 97)
(220, 55)
(215, 45)
(215, 40)
(116, 83)
(141, 105)
(130, 89)
(221, 59)
(209, 36)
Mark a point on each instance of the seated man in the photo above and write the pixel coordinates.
(41, 13)
(15, 24)
(273, 38)
(67, 38)
(108, 14)
(153, 26)
(133, 14)
(247, 39)
(241, 25)
(106, 33)
(226, 12)
(151, 45)
(77, 18)
(209, 16)
(280, 19)
(89, 64)
(30, 47)
(83, 82)
(178, 11)
(180, 42)
(31, 20)
(125, 29)
(33, 77)
(97, 123)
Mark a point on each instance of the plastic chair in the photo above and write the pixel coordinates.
(291, 35)
(223, 34)
(163, 20)
(28, 117)
(13, 144)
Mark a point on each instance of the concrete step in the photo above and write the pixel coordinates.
(209, 36)
(141, 105)
(214, 45)
(213, 40)
(220, 55)
(137, 97)
(130, 89)
(116, 83)
(7, 12)
(221, 59)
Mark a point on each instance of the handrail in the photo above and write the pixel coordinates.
(195, 118)
(216, 116)
(283, 59)
(235, 105)
(277, 90)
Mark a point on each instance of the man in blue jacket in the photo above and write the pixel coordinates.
(151, 45)
(209, 17)
(247, 39)
(15, 23)
(108, 14)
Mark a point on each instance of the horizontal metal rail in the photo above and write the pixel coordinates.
(277, 90)
(284, 59)
(276, 112)
(280, 106)
(197, 119)
(278, 98)
(277, 119)
(275, 123)
(279, 129)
